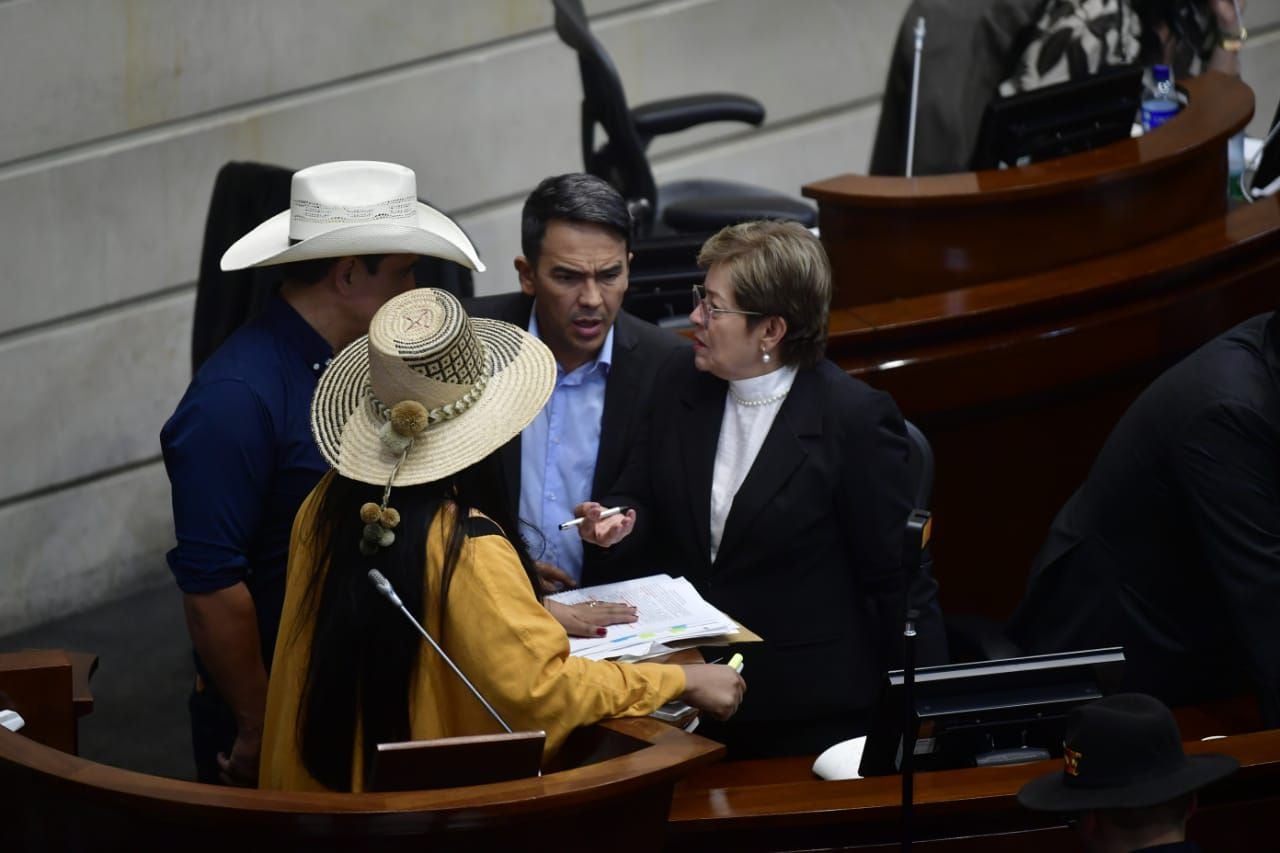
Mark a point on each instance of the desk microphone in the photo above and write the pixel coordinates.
(915, 98)
(384, 587)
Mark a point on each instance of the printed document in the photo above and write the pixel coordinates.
(669, 610)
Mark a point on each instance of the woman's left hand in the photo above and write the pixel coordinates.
(590, 618)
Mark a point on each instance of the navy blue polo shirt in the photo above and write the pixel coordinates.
(241, 459)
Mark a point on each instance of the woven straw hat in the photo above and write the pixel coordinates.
(480, 381)
(352, 207)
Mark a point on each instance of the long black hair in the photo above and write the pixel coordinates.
(363, 653)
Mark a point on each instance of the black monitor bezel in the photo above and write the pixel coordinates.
(1103, 668)
(1077, 115)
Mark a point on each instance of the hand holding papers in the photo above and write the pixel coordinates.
(669, 610)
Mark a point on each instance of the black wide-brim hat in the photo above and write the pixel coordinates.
(1122, 752)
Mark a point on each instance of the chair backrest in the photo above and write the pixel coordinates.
(621, 160)
(920, 467)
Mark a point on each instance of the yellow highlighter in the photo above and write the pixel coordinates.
(735, 662)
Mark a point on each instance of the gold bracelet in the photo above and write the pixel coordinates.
(1232, 44)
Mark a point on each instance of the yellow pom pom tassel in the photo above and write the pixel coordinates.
(370, 512)
(408, 417)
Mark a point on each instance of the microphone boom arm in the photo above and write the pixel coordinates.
(384, 587)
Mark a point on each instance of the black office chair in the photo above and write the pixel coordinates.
(970, 637)
(691, 206)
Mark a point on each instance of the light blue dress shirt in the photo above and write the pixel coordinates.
(558, 459)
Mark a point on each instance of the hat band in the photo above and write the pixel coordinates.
(308, 218)
(440, 413)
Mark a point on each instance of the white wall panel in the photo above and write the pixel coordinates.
(116, 222)
(71, 549)
(123, 65)
(91, 395)
(1260, 68)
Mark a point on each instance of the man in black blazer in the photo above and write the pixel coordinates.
(575, 235)
(1171, 547)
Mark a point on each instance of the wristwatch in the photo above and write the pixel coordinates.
(1232, 43)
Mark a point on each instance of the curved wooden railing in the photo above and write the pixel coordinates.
(895, 237)
(618, 797)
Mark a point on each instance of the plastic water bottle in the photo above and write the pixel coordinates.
(1160, 103)
(1235, 165)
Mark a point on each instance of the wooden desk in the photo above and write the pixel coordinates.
(777, 805)
(1015, 315)
(898, 237)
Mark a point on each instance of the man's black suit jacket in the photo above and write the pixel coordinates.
(1171, 547)
(811, 554)
(638, 350)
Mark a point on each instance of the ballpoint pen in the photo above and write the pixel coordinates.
(608, 513)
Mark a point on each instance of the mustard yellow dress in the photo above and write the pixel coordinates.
(495, 630)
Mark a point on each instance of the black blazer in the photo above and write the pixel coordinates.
(811, 553)
(1171, 546)
(638, 349)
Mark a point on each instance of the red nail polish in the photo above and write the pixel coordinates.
(600, 632)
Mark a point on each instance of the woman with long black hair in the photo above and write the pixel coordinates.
(409, 417)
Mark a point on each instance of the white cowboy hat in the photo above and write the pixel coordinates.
(477, 382)
(352, 207)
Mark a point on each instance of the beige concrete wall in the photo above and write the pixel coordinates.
(116, 115)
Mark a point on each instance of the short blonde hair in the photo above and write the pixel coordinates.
(778, 269)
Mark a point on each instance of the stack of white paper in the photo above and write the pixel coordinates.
(670, 609)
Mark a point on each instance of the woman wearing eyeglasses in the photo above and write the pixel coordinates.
(778, 485)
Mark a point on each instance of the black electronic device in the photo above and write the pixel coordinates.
(987, 712)
(1062, 119)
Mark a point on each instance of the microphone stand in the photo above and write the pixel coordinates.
(915, 97)
(907, 766)
(384, 586)
(913, 544)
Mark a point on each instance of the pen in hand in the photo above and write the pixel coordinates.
(608, 513)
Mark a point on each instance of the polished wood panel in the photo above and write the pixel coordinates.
(1017, 383)
(55, 801)
(1081, 280)
(896, 237)
(778, 806)
(83, 667)
(38, 685)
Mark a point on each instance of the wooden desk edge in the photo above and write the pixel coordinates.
(806, 802)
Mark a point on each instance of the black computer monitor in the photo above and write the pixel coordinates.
(989, 712)
(1054, 121)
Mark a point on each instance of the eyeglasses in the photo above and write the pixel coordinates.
(709, 311)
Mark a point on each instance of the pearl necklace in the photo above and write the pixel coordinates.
(763, 401)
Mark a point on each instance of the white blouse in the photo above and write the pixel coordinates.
(749, 410)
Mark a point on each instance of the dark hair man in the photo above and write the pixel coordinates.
(238, 449)
(576, 240)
